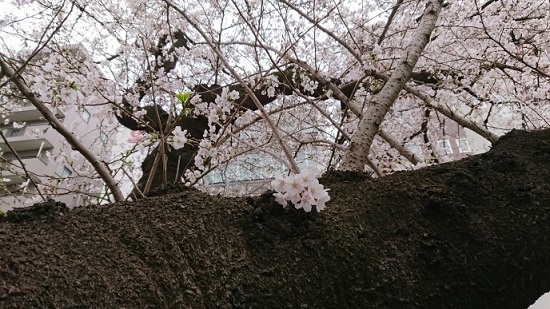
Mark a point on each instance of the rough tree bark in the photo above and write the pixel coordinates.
(467, 234)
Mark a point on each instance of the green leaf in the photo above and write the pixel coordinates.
(183, 97)
(185, 112)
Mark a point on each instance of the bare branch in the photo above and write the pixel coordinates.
(389, 21)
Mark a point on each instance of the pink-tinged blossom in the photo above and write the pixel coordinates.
(316, 190)
(306, 201)
(278, 183)
(295, 199)
(48, 67)
(322, 198)
(307, 179)
(233, 95)
(293, 185)
(140, 113)
(136, 137)
(280, 198)
(306, 206)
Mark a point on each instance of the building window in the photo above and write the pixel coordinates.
(464, 145)
(66, 172)
(444, 146)
(104, 138)
(63, 171)
(25, 103)
(17, 132)
(86, 115)
(415, 149)
(44, 157)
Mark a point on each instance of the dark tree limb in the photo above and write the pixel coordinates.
(289, 82)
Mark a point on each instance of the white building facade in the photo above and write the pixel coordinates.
(50, 164)
(36, 162)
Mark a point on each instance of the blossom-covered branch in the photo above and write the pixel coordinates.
(99, 166)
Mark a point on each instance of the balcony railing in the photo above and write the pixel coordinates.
(26, 113)
(11, 178)
(15, 186)
(23, 143)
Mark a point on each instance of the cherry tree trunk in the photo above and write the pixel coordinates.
(358, 150)
(467, 234)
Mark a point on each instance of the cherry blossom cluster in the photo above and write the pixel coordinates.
(303, 190)
(179, 139)
(271, 83)
(308, 84)
(210, 152)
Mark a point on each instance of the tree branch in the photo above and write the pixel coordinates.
(361, 141)
(100, 167)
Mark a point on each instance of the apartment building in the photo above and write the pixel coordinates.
(251, 174)
(447, 141)
(35, 158)
(451, 142)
